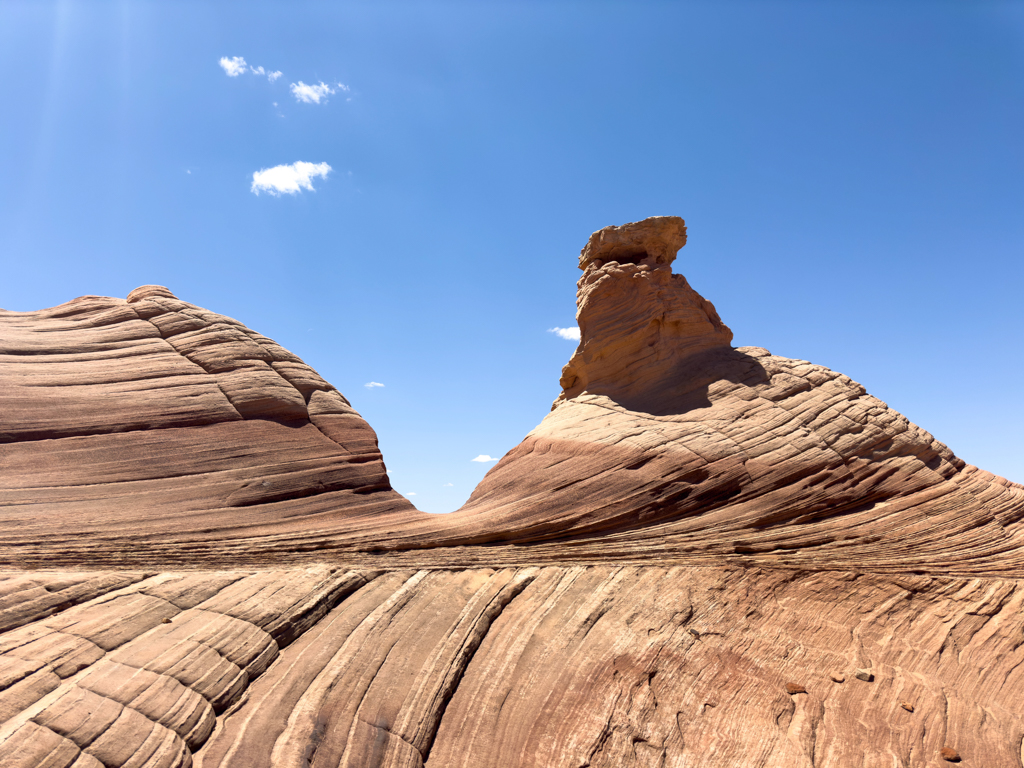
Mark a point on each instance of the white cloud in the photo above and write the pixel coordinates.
(234, 66)
(271, 76)
(483, 458)
(447, 485)
(288, 179)
(411, 493)
(372, 384)
(311, 94)
(237, 65)
(569, 334)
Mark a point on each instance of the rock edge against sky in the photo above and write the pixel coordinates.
(703, 555)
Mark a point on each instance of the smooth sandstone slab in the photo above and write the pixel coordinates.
(561, 666)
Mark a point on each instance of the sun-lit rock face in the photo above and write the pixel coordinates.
(655, 241)
(638, 321)
(667, 442)
(703, 556)
(551, 667)
(148, 428)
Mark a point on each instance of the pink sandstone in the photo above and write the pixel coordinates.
(703, 556)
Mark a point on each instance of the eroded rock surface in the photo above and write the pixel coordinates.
(640, 324)
(703, 556)
(151, 428)
(553, 666)
(667, 443)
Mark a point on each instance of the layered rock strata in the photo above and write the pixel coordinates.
(151, 428)
(597, 666)
(151, 431)
(703, 556)
(668, 443)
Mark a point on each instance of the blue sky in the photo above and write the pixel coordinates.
(851, 174)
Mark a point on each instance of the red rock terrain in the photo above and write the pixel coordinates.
(151, 430)
(703, 556)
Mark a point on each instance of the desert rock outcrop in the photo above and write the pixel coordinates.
(639, 322)
(152, 427)
(553, 666)
(668, 444)
(703, 556)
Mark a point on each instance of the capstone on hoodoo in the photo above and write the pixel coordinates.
(638, 321)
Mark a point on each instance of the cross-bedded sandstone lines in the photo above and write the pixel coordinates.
(790, 464)
(137, 676)
(669, 444)
(703, 556)
(537, 667)
(153, 428)
(149, 431)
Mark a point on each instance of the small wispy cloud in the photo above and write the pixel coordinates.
(288, 179)
(483, 458)
(448, 485)
(234, 66)
(312, 94)
(372, 384)
(411, 493)
(570, 334)
(271, 76)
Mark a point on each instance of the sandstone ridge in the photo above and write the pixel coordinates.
(152, 428)
(667, 442)
(702, 556)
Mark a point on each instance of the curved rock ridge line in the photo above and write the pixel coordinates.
(669, 444)
(702, 557)
(149, 421)
(599, 666)
(148, 431)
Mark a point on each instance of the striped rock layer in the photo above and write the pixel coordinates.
(703, 556)
(149, 429)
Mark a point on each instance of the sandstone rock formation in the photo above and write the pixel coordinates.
(668, 444)
(703, 556)
(149, 427)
